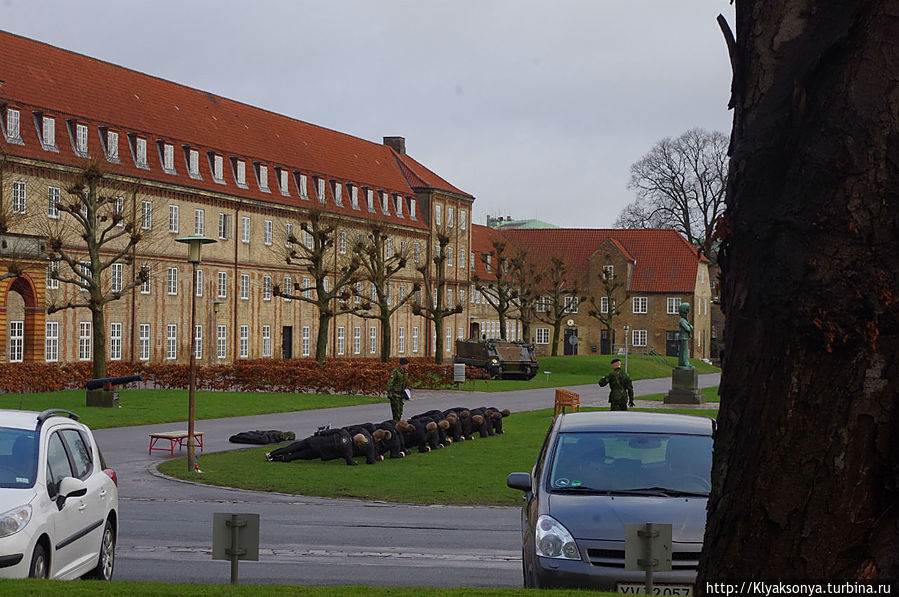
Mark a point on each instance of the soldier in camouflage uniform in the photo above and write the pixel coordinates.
(622, 394)
(396, 388)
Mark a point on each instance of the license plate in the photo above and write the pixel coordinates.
(639, 588)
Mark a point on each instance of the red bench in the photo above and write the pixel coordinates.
(174, 437)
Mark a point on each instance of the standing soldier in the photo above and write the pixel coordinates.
(397, 388)
(622, 390)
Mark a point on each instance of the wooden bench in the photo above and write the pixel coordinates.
(173, 437)
(566, 399)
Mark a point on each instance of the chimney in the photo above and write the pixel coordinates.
(398, 144)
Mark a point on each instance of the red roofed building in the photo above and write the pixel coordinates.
(185, 161)
(646, 274)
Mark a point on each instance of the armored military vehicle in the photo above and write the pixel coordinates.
(498, 358)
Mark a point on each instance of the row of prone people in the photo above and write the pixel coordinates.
(431, 430)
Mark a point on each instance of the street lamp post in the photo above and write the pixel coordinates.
(626, 330)
(194, 243)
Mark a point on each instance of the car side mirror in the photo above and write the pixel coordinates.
(520, 481)
(70, 487)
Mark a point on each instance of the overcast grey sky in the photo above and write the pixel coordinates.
(538, 109)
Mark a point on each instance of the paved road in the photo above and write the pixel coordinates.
(166, 524)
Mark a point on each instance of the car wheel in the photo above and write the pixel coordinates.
(106, 559)
(40, 567)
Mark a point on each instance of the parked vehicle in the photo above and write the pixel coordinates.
(598, 471)
(58, 500)
(498, 358)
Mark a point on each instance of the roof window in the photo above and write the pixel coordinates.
(110, 141)
(337, 192)
(192, 157)
(302, 185)
(354, 196)
(167, 151)
(139, 151)
(46, 131)
(240, 172)
(12, 126)
(385, 203)
(262, 177)
(284, 181)
(217, 165)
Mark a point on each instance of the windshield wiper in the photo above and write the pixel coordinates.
(665, 491)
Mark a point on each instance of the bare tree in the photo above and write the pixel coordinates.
(91, 216)
(434, 291)
(499, 289)
(805, 483)
(527, 279)
(680, 184)
(379, 262)
(607, 310)
(316, 255)
(560, 298)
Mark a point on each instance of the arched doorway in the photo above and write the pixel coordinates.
(22, 317)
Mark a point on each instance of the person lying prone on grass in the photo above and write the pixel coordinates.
(328, 444)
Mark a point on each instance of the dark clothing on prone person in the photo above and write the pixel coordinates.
(328, 444)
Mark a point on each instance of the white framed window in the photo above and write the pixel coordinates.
(81, 138)
(112, 146)
(341, 245)
(288, 287)
(543, 303)
(173, 219)
(398, 206)
(224, 226)
(51, 341)
(241, 173)
(168, 157)
(198, 342)
(221, 342)
(471, 260)
(199, 222)
(304, 346)
(308, 240)
(385, 203)
(608, 272)
(193, 163)
(487, 264)
(357, 339)
(401, 340)
(143, 341)
(218, 168)
(638, 338)
(48, 132)
(672, 305)
(372, 340)
(462, 297)
(449, 297)
(244, 287)
(450, 217)
(119, 210)
(146, 211)
(266, 341)
(449, 257)
(267, 233)
(354, 196)
(52, 273)
(604, 304)
(320, 189)
(370, 200)
(223, 285)
(172, 280)
(263, 178)
(640, 304)
(245, 230)
(412, 208)
(84, 341)
(448, 344)
(145, 285)
(266, 288)
(341, 339)
(13, 130)
(171, 341)
(244, 342)
(53, 195)
(571, 304)
(199, 282)
(415, 339)
(438, 214)
(337, 193)
(461, 257)
(542, 335)
(307, 288)
(463, 219)
(19, 197)
(140, 150)
(16, 341)
(115, 277)
(416, 252)
(303, 186)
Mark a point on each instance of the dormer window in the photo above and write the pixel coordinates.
(302, 184)
(140, 152)
(320, 189)
(412, 208)
(284, 181)
(13, 131)
(81, 140)
(46, 129)
(262, 176)
(193, 163)
(354, 196)
(399, 206)
(218, 167)
(240, 173)
(168, 158)
(112, 146)
(370, 200)
(385, 203)
(337, 193)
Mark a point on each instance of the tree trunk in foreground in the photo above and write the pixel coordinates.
(806, 464)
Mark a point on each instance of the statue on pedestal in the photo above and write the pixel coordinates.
(683, 338)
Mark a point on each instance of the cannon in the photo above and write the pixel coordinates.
(499, 359)
(102, 391)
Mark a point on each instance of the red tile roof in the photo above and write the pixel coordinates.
(420, 177)
(664, 260)
(68, 86)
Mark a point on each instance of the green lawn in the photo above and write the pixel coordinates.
(471, 472)
(143, 407)
(587, 369)
(91, 588)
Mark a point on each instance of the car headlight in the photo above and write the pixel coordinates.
(554, 540)
(15, 520)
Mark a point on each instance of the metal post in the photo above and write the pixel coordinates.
(235, 552)
(626, 330)
(192, 388)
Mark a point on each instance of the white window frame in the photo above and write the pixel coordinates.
(463, 219)
(357, 339)
(222, 286)
(448, 343)
(245, 230)
(341, 340)
(542, 336)
(115, 341)
(412, 207)
(221, 341)
(267, 233)
(172, 281)
(193, 163)
(48, 132)
(306, 334)
(640, 304)
(638, 338)
(449, 257)
(19, 197)
(401, 340)
(112, 146)
(199, 282)
(266, 341)
(341, 245)
(143, 342)
(244, 287)
(604, 304)
(450, 217)
(53, 196)
(146, 210)
(85, 341)
(415, 339)
(171, 341)
(198, 341)
(173, 219)
(218, 168)
(116, 278)
(266, 288)
(52, 283)
(168, 157)
(200, 222)
(320, 189)
(372, 340)
(244, 342)
(13, 125)
(672, 304)
(16, 341)
(140, 152)
(51, 341)
(438, 214)
(81, 139)
(571, 304)
(224, 226)
(145, 285)
(240, 174)
(303, 185)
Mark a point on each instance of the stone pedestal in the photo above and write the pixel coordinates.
(104, 398)
(684, 388)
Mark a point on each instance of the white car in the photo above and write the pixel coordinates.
(58, 501)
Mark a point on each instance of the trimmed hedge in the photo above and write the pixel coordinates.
(334, 376)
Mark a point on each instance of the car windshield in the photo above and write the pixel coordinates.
(18, 458)
(632, 463)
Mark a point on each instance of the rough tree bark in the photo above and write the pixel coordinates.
(806, 464)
